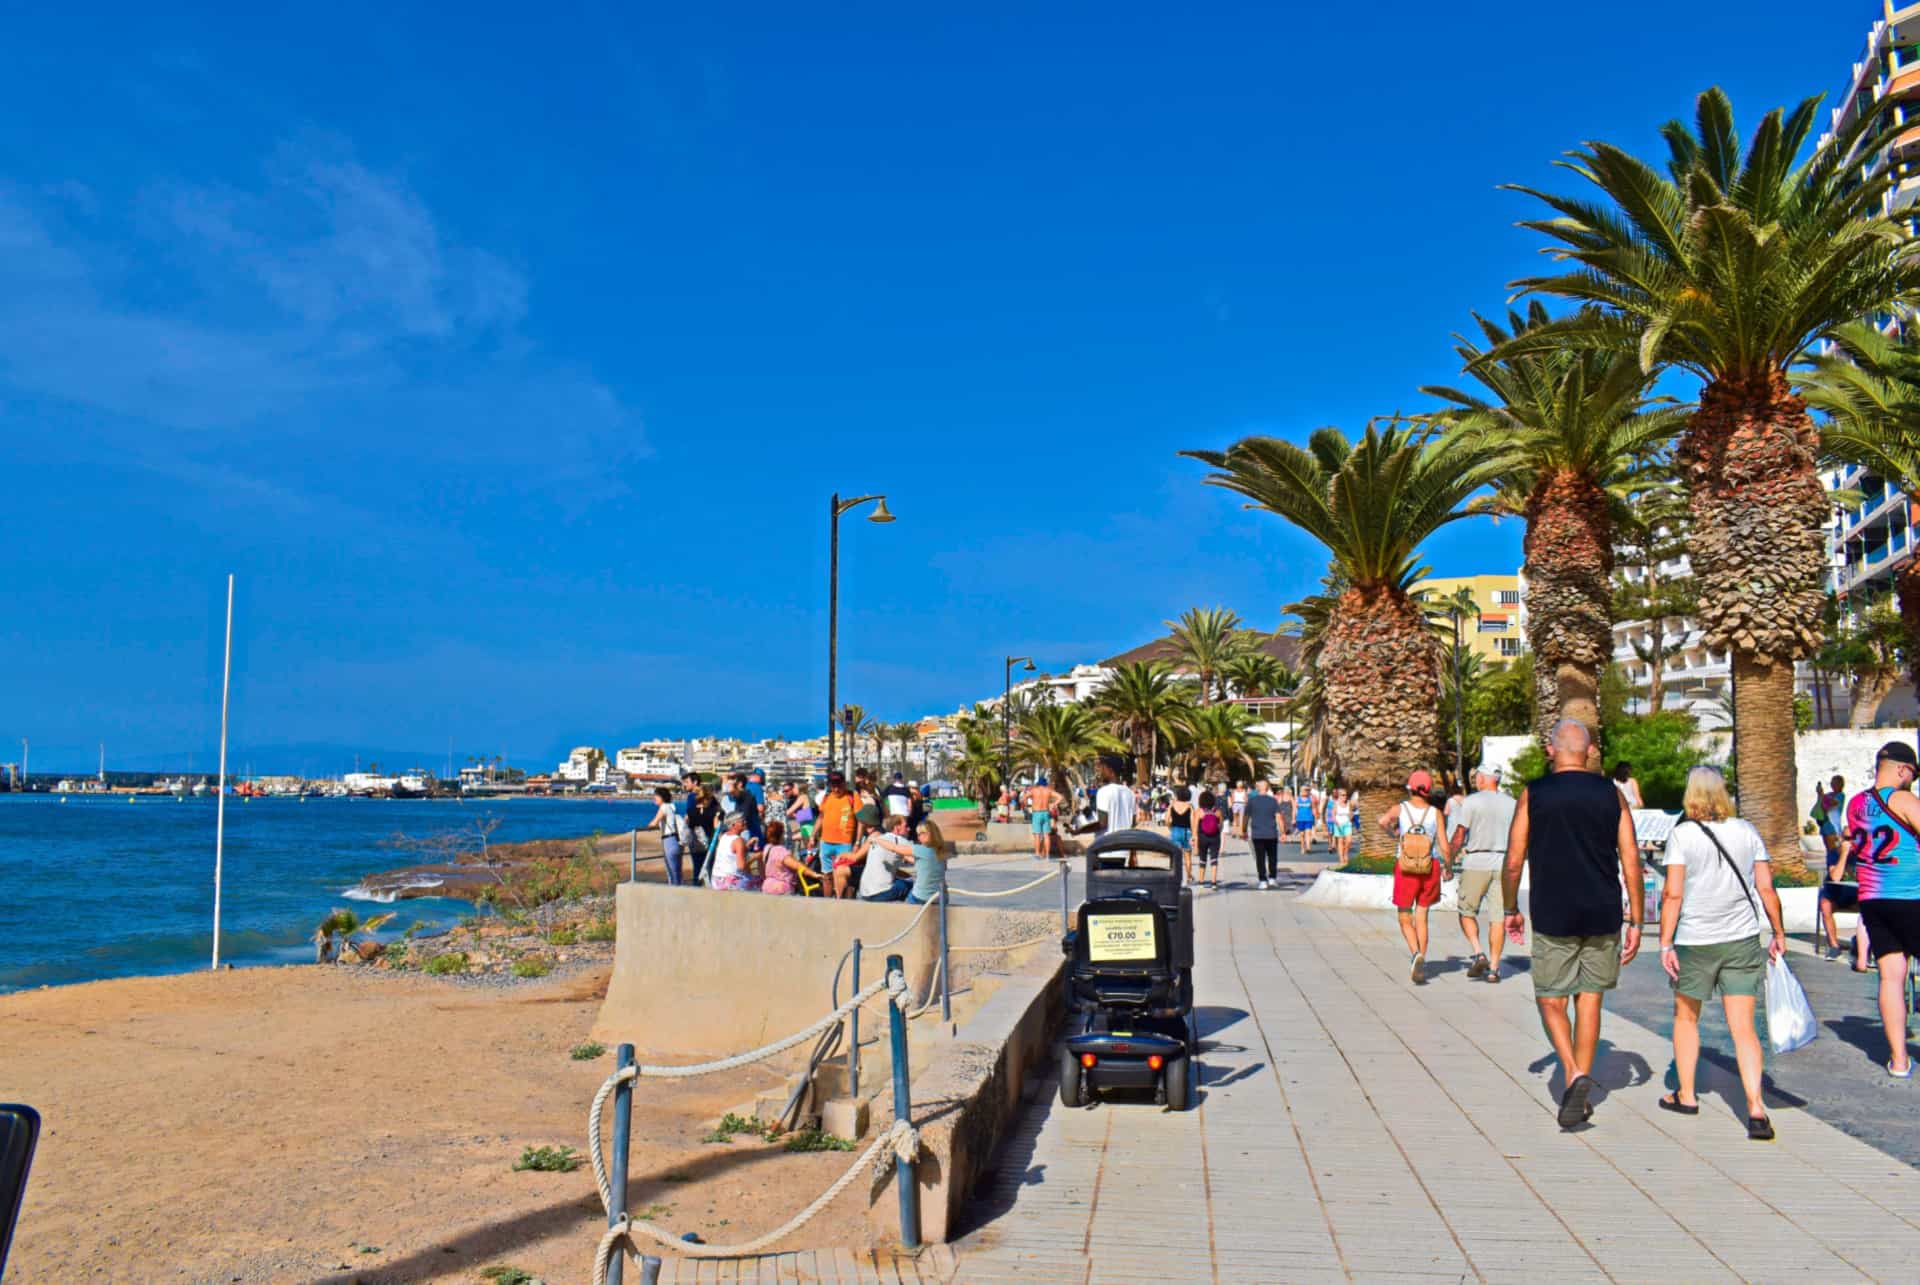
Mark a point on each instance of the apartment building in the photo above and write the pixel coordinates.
(1499, 631)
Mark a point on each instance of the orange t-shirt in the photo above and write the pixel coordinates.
(836, 818)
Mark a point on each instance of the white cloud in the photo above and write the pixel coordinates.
(322, 298)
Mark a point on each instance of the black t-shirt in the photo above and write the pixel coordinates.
(1573, 823)
(1263, 817)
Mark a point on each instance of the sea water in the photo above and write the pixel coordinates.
(97, 886)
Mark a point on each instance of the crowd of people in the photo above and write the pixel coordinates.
(853, 839)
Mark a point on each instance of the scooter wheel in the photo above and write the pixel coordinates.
(1179, 1081)
(1072, 1093)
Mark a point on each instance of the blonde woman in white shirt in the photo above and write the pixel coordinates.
(1719, 881)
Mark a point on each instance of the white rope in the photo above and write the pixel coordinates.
(896, 983)
(900, 1143)
(1018, 945)
(1061, 873)
(901, 935)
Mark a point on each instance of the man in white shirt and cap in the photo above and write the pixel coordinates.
(1480, 836)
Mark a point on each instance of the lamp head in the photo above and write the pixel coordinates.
(880, 513)
(1029, 666)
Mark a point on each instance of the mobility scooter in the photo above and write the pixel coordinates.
(1130, 976)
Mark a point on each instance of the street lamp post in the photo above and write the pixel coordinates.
(835, 507)
(1006, 722)
(1459, 717)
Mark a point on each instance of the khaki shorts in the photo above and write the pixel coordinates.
(1565, 966)
(1734, 967)
(1473, 890)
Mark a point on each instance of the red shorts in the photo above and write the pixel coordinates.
(1410, 890)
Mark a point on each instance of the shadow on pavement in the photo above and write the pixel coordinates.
(1863, 1033)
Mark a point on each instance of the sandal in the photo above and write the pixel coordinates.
(1759, 1129)
(1573, 1107)
(1673, 1103)
(1906, 1074)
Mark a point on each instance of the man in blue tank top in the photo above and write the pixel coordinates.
(1883, 843)
(1574, 829)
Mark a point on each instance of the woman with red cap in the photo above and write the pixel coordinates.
(1420, 863)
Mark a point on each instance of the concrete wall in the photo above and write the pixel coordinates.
(970, 1094)
(1819, 755)
(697, 971)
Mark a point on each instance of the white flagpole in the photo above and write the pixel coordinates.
(220, 799)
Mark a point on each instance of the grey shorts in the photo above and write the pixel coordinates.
(1473, 890)
(1564, 966)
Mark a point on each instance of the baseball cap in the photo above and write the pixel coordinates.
(1899, 752)
(836, 778)
(1489, 769)
(1421, 780)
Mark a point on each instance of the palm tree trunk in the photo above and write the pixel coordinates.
(1906, 584)
(1763, 713)
(1569, 557)
(1381, 671)
(1657, 667)
(1870, 689)
(1759, 549)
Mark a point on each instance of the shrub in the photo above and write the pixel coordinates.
(731, 1124)
(531, 968)
(1660, 747)
(547, 1160)
(444, 965)
(564, 937)
(588, 1051)
(815, 1139)
(504, 1275)
(599, 930)
(1530, 764)
(1359, 865)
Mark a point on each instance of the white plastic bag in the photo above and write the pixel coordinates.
(1790, 1021)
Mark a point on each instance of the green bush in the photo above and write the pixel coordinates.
(1530, 764)
(443, 965)
(564, 937)
(599, 930)
(730, 1124)
(531, 968)
(547, 1160)
(504, 1275)
(1660, 748)
(588, 1051)
(1359, 865)
(815, 1139)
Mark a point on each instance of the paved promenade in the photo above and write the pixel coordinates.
(1356, 1128)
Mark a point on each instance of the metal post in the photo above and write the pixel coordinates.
(833, 621)
(903, 1110)
(853, 1019)
(1006, 738)
(633, 856)
(1459, 716)
(617, 1175)
(649, 1270)
(1065, 916)
(946, 979)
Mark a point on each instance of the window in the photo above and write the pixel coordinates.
(1509, 646)
(1492, 624)
(1506, 597)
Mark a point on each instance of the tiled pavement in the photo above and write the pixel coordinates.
(1353, 1127)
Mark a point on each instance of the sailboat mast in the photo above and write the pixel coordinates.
(220, 799)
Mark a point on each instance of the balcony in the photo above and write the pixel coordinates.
(1903, 24)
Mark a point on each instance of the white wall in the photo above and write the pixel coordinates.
(1819, 755)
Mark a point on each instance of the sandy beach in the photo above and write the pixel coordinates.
(340, 1124)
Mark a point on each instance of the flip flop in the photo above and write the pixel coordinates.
(1673, 1103)
(1573, 1107)
(1900, 1075)
(1759, 1128)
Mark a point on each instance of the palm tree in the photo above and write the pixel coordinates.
(878, 731)
(1219, 739)
(1205, 639)
(1870, 392)
(1258, 673)
(1059, 738)
(904, 735)
(1371, 503)
(1144, 704)
(1579, 424)
(1869, 652)
(1730, 266)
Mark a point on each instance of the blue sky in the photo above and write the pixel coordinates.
(509, 362)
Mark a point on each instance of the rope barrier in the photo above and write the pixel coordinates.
(901, 935)
(624, 1074)
(1060, 873)
(901, 1142)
